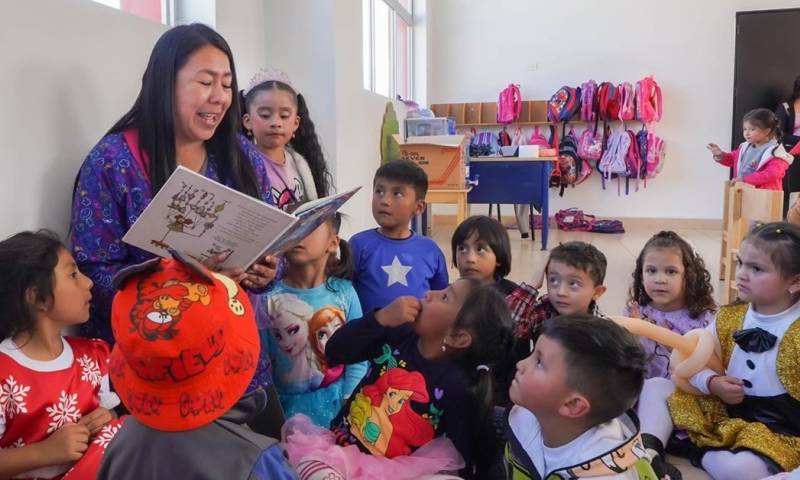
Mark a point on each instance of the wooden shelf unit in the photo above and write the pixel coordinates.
(484, 114)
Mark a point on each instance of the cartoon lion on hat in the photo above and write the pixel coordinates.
(159, 307)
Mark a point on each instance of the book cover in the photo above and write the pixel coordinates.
(201, 218)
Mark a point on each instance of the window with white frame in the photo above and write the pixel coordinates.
(168, 12)
(387, 47)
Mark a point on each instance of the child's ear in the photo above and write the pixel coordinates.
(576, 406)
(419, 208)
(333, 245)
(247, 121)
(458, 338)
(599, 290)
(30, 299)
(794, 287)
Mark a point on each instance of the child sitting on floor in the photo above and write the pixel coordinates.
(574, 275)
(573, 396)
(672, 289)
(56, 414)
(305, 308)
(481, 249)
(428, 389)
(746, 423)
(187, 347)
(391, 261)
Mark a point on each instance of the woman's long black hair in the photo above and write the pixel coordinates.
(795, 90)
(153, 112)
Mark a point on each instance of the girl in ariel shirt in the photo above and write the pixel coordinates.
(382, 416)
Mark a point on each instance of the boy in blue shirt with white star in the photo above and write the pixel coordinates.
(393, 261)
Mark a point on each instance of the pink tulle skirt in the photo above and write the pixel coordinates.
(314, 453)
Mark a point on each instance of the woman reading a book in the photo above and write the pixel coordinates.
(186, 114)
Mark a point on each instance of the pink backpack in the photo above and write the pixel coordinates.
(648, 100)
(518, 138)
(655, 154)
(590, 145)
(627, 107)
(575, 220)
(589, 101)
(538, 139)
(509, 105)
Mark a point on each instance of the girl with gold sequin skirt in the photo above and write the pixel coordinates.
(747, 423)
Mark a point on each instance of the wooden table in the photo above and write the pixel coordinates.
(457, 197)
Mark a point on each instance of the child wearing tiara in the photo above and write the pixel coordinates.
(277, 120)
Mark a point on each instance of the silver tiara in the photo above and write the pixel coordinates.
(267, 75)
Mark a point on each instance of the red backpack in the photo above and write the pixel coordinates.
(608, 101)
(634, 161)
(509, 105)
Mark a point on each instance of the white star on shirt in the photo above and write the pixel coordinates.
(397, 272)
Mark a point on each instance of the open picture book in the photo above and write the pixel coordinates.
(201, 219)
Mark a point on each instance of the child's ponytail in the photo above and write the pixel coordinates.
(486, 316)
(305, 143)
(245, 106)
(341, 265)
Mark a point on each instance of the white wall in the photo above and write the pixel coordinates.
(299, 40)
(359, 114)
(242, 24)
(476, 48)
(318, 43)
(71, 68)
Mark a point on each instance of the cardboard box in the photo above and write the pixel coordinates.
(441, 156)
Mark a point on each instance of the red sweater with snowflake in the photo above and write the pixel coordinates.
(39, 397)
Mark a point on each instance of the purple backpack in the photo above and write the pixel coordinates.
(589, 101)
(590, 145)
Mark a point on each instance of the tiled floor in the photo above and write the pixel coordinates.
(621, 251)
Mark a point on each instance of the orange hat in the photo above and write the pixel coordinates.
(186, 343)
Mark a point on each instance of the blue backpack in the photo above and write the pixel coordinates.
(564, 104)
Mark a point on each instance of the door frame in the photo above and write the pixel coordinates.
(736, 122)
